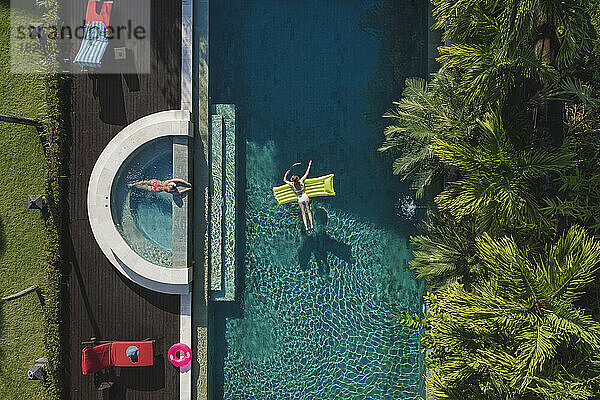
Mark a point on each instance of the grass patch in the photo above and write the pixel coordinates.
(23, 239)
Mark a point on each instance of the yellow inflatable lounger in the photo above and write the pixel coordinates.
(321, 186)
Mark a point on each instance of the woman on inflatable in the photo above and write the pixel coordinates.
(297, 185)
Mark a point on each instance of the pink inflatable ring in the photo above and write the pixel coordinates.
(180, 355)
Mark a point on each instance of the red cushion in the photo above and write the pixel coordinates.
(98, 11)
(96, 358)
(119, 357)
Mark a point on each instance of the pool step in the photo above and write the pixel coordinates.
(181, 167)
(216, 202)
(222, 202)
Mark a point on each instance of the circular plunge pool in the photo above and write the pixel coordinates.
(145, 218)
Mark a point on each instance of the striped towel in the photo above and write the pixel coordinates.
(95, 40)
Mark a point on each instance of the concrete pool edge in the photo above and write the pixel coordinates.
(114, 247)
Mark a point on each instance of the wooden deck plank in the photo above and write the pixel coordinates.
(102, 302)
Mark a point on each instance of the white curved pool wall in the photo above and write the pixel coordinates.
(161, 279)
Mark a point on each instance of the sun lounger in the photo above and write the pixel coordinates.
(95, 37)
(114, 354)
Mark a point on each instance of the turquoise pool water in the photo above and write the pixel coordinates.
(145, 218)
(317, 316)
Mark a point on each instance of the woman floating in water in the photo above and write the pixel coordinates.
(297, 185)
(156, 185)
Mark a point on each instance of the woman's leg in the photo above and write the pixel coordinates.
(146, 184)
(307, 206)
(302, 206)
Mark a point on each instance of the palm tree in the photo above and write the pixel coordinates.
(499, 182)
(491, 75)
(520, 334)
(529, 46)
(501, 58)
(559, 31)
(445, 252)
(505, 321)
(425, 112)
(580, 186)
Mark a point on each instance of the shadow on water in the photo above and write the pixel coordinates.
(219, 313)
(398, 58)
(320, 244)
(178, 198)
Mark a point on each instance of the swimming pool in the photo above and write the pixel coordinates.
(318, 316)
(143, 218)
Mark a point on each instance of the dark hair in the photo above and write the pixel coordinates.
(296, 182)
(172, 187)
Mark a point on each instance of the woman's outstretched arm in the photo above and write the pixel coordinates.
(177, 180)
(285, 177)
(307, 171)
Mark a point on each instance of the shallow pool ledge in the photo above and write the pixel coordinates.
(126, 261)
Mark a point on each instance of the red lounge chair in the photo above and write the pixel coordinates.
(98, 11)
(97, 358)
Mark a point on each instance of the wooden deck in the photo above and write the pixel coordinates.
(101, 302)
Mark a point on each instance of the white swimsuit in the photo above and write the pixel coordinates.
(302, 196)
(303, 199)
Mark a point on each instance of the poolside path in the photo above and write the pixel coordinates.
(100, 302)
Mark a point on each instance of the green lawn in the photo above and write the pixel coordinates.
(22, 232)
